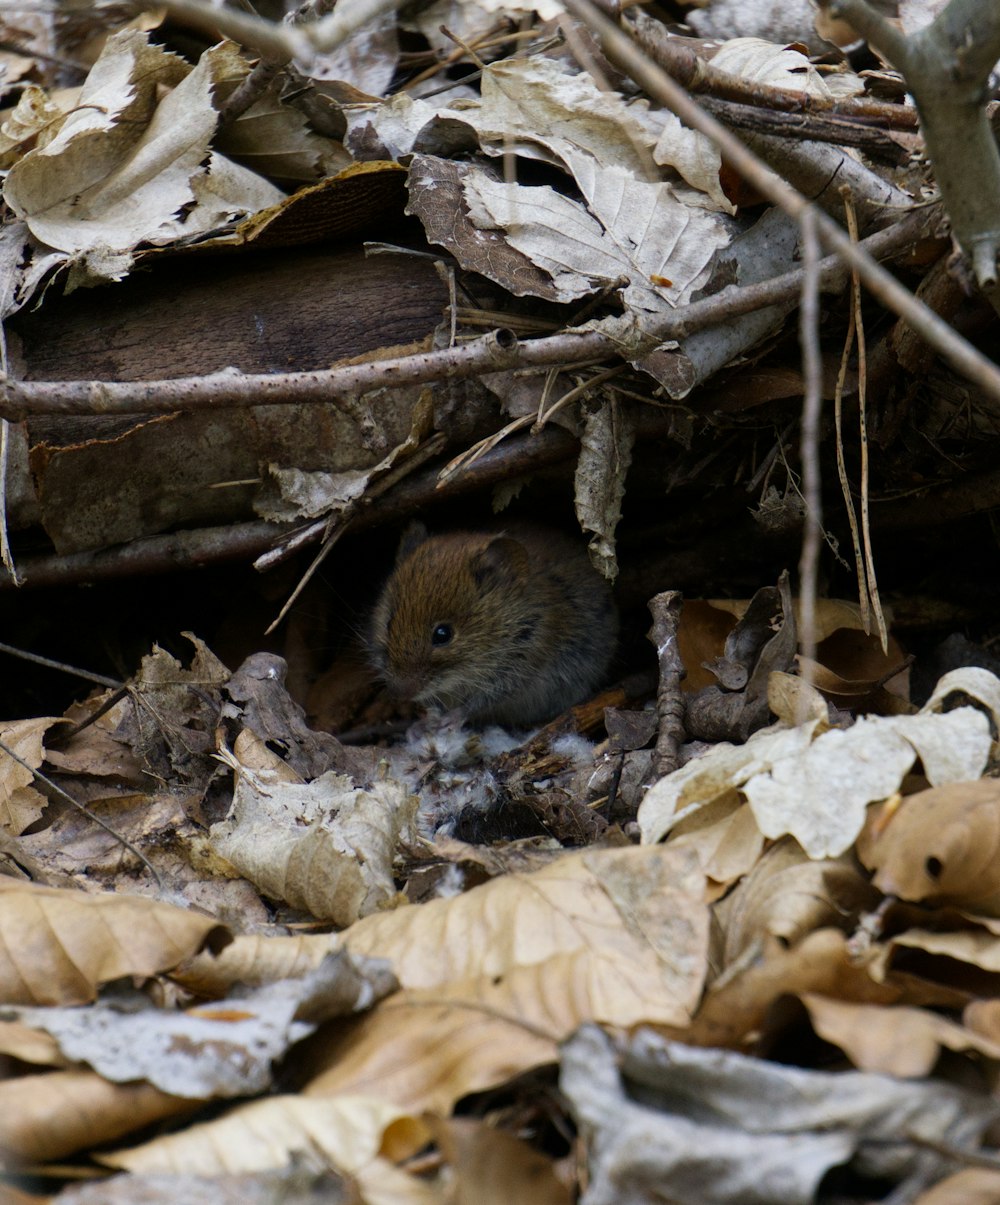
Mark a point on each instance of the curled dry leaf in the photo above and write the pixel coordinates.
(904, 1042)
(46, 1117)
(132, 163)
(940, 845)
(20, 804)
(326, 846)
(496, 977)
(637, 914)
(58, 947)
(425, 1050)
(817, 785)
(492, 1167)
(251, 960)
(786, 896)
(735, 1010)
(350, 1133)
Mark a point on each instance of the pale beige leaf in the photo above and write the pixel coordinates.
(251, 960)
(29, 1045)
(50, 1116)
(636, 916)
(735, 1010)
(34, 121)
(940, 845)
(58, 946)
(900, 1041)
(20, 804)
(424, 1050)
(349, 1133)
(131, 164)
(325, 846)
(971, 1186)
(767, 63)
(786, 896)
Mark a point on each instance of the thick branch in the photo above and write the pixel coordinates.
(20, 399)
(947, 65)
(621, 50)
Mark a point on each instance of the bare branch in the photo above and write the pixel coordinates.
(947, 65)
(947, 342)
(337, 386)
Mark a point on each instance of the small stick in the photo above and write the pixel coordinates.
(665, 609)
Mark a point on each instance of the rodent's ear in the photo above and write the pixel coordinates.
(413, 536)
(502, 559)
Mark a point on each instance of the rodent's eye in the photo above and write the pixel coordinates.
(442, 634)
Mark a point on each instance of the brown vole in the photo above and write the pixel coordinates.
(511, 627)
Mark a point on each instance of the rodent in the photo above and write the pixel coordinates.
(509, 626)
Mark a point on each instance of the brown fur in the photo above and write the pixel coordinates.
(533, 626)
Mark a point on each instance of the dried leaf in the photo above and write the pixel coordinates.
(58, 947)
(941, 846)
(326, 846)
(46, 1117)
(127, 166)
(786, 896)
(20, 804)
(350, 1133)
(599, 483)
(899, 1041)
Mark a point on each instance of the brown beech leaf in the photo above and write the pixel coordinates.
(940, 845)
(251, 960)
(351, 1134)
(59, 946)
(492, 1167)
(636, 914)
(735, 1011)
(900, 1041)
(424, 1050)
(786, 896)
(44, 1117)
(20, 804)
(971, 1186)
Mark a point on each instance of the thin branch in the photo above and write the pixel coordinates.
(624, 53)
(494, 352)
(812, 409)
(947, 66)
(56, 789)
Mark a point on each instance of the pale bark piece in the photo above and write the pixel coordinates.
(220, 1050)
(717, 1126)
(58, 947)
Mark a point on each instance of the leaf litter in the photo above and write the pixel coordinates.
(841, 866)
